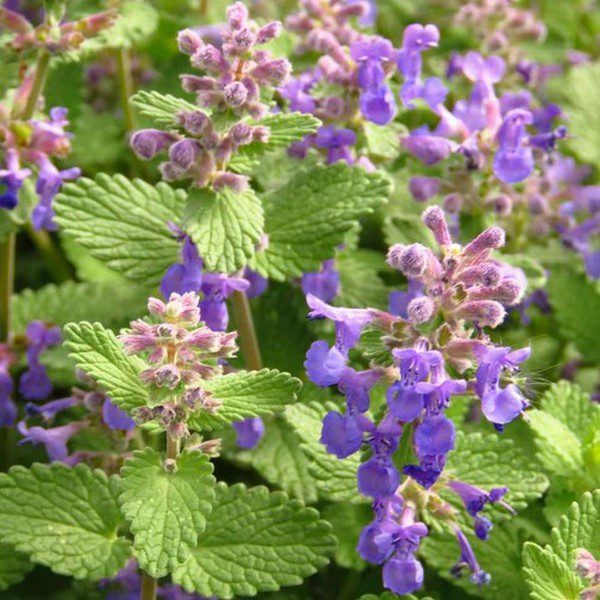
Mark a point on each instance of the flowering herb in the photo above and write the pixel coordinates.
(176, 423)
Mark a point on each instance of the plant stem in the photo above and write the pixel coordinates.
(126, 88)
(55, 261)
(7, 275)
(203, 8)
(149, 585)
(247, 333)
(172, 447)
(39, 80)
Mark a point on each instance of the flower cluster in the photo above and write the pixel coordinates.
(53, 37)
(181, 352)
(238, 76)
(454, 297)
(34, 142)
(94, 409)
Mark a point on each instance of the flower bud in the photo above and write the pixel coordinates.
(420, 310)
(235, 94)
(435, 220)
(238, 183)
(275, 71)
(485, 312)
(501, 204)
(183, 154)
(490, 239)
(413, 260)
(193, 83)
(189, 42)
(237, 15)
(210, 58)
(394, 254)
(147, 143)
(269, 32)
(241, 133)
(194, 122)
(453, 203)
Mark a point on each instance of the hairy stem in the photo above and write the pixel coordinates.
(246, 331)
(39, 80)
(55, 261)
(126, 88)
(172, 447)
(7, 275)
(149, 585)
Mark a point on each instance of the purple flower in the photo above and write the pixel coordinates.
(12, 177)
(376, 541)
(50, 409)
(513, 162)
(377, 477)
(434, 436)
(424, 188)
(249, 432)
(337, 142)
(403, 575)
(399, 301)
(55, 439)
(116, 418)
(428, 148)
(257, 283)
(349, 322)
(48, 184)
(185, 276)
(324, 366)
(323, 284)
(341, 434)
(8, 409)
(297, 92)
(378, 104)
(467, 559)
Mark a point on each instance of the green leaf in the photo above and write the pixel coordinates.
(247, 394)
(285, 128)
(500, 556)
(136, 23)
(383, 143)
(488, 461)
(347, 521)
(579, 528)
(575, 302)
(571, 406)
(167, 506)
(278, 457)
(97, 351)
(548, 577)
(112, 304)
(161, 108)
(335, 479)
(225, 226)
(558, 449)
(583, 111)
(64, 518)
(360, 283)
(407, 229)
(123, 223)
(255, 541)
(310, 215)
(14, 566)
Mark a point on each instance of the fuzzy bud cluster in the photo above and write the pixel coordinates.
(235, 78)
(181, 352)
(61, 37)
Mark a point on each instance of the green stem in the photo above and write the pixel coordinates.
(246, 331)
(172, 447)
(55, 261)
(149, 585)
(203, 8)
(39, 80)
(7, 276)
(126, 88)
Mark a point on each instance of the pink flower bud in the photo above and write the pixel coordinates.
(453, 203)
(195, 122)
(420, 310)
(237, 15)
(189, 42)
(423, 188)
(170, 171)
(490, 239)
(435, 220)
(241, 133)
(210, 58)
(261, 134)
(274, 71)
(167, 376)
(487, 274)
(394, 254)
(485, 312)
(238, 183)
(269, 32)
(413, 260)
(501, 204)
(14, 21)
(193, 83)
(235, 94)
(147, 143)
(183, 154)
